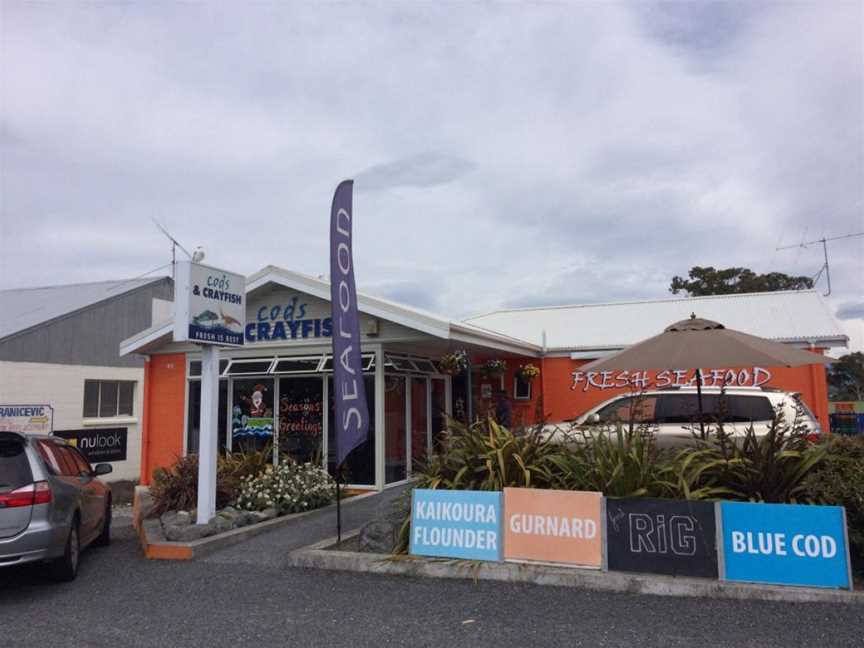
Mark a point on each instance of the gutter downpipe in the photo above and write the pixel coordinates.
(543, 350)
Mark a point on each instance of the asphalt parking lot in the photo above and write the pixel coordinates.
(120, 599)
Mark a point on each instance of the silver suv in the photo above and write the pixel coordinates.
(51, 503)
(672, 414)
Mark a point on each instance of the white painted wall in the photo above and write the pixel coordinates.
(62, 387)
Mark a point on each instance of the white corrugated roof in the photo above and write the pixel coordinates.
(22, 308)
(408, 316)
(787, 316)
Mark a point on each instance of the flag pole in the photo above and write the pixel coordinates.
(338, 507)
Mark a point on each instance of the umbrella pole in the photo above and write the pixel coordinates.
(699, 402)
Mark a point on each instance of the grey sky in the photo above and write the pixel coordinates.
(505, 154)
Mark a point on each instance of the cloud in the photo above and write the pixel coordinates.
(851, 310)
(514, 154)
(419, 171)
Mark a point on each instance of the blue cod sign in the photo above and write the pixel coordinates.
(456, 524)
(785, 544)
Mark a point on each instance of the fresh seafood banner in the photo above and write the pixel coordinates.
(351, 411)
(210, 305)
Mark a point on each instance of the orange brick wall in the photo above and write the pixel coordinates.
(164, 412)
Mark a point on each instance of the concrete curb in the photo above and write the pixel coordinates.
(317, 556)
(157, 547)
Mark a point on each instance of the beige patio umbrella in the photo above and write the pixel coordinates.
(699, 343)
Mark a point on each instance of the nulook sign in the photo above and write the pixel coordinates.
(38, 419)
(785, 544)
(210, 305)
(456, 524)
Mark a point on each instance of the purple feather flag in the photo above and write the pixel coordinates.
(351, 411)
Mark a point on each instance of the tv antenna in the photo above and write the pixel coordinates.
(199, 253)
(825, 267)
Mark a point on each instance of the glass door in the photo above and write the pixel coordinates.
(419, 423)
(395, 429)
(301, 418)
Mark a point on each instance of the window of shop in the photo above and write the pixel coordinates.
(108, 398)
(439, 407)
(249, 367)
(420, 441)
(395, 450)
(307, 364)
(359, 465)
(301, 418)
(195, 368)
(193, 426)
(251, 413)
(521, 388)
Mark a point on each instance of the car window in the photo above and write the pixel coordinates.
(744, 409)
(642, 409)
(49, 454)
(14, 464)
(68, 466)
(82, 464)
(680, 408)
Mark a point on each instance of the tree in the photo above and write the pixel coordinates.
(726, 281)
(846, 378)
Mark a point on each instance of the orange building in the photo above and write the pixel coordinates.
(276, 388)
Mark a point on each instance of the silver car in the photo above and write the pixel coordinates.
(51, 503)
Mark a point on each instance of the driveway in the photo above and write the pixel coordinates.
(120, 599)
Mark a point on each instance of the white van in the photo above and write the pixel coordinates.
(673, 414)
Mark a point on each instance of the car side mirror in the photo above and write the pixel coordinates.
(594, 418)
(102, 469)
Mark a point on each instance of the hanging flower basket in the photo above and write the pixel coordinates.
(493, 368)
(528, 372)
(454, 363)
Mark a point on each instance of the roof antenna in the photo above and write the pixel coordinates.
(825, 268)
(174, 245)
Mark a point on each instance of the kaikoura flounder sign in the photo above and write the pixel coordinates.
(456, 524)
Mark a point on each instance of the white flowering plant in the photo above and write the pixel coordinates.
(454, 363)
(289, 488)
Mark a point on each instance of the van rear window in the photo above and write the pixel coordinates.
(14, 464)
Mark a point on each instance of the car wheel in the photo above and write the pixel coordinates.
(104, 538)
(66, 568)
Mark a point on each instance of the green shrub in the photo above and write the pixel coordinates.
(767, 468)
(289, 488)
(617, 461)
(176, 488)
(488, 456)
(839, 480)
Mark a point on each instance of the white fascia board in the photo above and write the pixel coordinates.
(153, 334)
(368, 305)
(498, 344)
